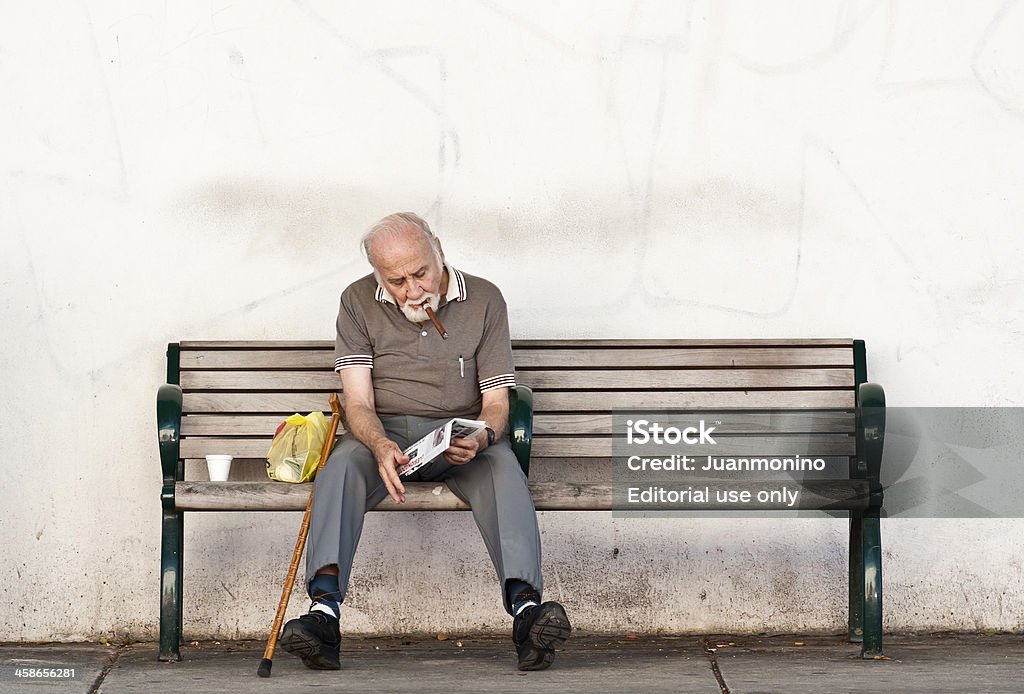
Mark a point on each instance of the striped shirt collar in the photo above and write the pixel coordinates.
(456, 288)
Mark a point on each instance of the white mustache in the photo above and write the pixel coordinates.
(417, 312)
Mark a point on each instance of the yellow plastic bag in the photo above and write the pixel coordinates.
(295, 451)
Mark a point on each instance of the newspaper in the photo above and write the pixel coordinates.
(437, 442)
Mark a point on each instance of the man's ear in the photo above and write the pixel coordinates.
(440, 250)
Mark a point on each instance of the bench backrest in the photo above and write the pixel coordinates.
(235, 394)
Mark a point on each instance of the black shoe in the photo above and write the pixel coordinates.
(314, 637)
(537, 631)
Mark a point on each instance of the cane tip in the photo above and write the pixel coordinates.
(264, 668)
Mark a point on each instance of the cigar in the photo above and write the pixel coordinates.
(437, 324)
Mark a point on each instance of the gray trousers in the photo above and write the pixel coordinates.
(492, 484)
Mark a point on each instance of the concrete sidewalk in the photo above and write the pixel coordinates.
(932, 663)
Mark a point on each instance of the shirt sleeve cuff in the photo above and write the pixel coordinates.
(502, 381)
(347, 362)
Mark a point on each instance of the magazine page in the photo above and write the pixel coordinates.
(462, 428)
(437, 442)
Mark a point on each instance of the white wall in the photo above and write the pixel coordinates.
(195, 170)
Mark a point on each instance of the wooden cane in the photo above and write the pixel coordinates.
(300, 543)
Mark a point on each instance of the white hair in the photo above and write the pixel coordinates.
(394, 225)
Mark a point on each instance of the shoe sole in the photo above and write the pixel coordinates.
(550, 631)
(307, 647)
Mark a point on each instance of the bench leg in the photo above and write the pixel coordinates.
(171, 545)
(855, 631)
(872, 549)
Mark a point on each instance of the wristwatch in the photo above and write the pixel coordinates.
(490, 436)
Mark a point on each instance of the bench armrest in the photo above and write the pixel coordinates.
(520, 424)
(168, 427)
(871, 430)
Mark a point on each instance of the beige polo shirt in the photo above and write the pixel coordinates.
(415, 371)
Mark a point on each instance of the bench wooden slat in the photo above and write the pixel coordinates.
(687, 378)
(261, 380)
(548, 424)
(420, 496)
(189, 345)
(569, 380)
(289, 403)
(260, 462)
(547, 496)
(617, 343)
(679, 357)
(530, 358)
(277, 403)
(258, 359)
(711, 400)
(816, 445)
(740, 343)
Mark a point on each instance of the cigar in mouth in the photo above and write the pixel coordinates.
(437, 324)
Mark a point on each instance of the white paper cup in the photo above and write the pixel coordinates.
(219, 467)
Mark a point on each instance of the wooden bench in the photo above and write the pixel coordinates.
(228, 397)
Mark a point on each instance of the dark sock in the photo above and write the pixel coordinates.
(323, 590)
(521, 595)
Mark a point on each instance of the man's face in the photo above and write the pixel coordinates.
(408, 269)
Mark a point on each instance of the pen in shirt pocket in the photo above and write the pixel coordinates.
(462, 367)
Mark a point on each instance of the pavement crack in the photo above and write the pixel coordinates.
(111, 661)
(713, 659)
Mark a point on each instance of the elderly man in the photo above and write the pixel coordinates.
(402, 378)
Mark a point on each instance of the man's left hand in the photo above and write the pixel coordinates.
(463, 450)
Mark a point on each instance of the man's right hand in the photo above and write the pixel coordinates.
(366, 426)
(389, 457)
